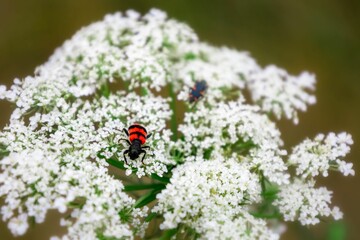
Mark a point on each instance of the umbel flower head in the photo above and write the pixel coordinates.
(216, 171)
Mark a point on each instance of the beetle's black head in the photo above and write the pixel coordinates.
(135, 149)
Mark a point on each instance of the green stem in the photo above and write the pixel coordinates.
(4, 153)
(173, 122)
(262, 181)
(151, 216)
(168, 234)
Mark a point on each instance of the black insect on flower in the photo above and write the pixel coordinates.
(137, 135)
(197, 91)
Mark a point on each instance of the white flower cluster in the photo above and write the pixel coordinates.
(223, 69)
(212, 197)
(322, 154)
(305, 203)
(280, 93)
(239, 130)
(149, 52)
(95, 129)
(67, 127)
(33, 182)
(120, 48)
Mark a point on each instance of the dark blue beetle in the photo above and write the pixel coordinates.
(197, 91)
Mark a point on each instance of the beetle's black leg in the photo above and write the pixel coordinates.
(142, 160)
(126, 131)
(145, 147)
(125, 152)
(123, 139)
(148, 136)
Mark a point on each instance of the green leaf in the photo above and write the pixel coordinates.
(207, 153)
(3, 151)
(161, 179)
(336, 231)
(147, 198)
(116, 163)
(150, 216)
(274, 215)
(270, 193)
(136, 187)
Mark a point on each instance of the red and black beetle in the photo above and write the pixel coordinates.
(197, 91)
(137, 137)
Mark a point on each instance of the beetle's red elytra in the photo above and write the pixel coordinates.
(137, 136)
(136, 131)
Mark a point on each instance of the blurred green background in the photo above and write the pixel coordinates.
(321, 36)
